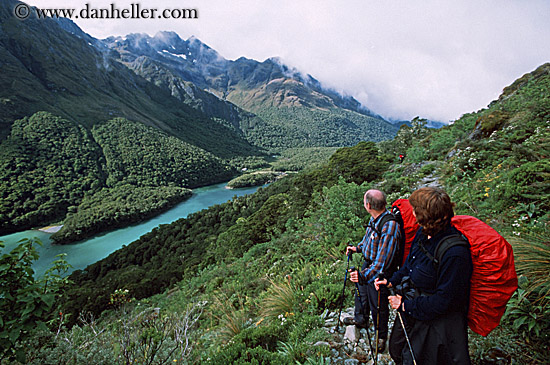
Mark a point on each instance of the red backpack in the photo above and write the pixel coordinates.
(403, 212)
(494, 278)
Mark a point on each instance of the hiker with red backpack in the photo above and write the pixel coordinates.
(377, 248)
(432, 300)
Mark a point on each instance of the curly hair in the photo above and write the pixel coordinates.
(433, 209)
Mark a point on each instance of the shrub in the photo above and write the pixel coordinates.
(532, 257)
(359, 163)
(231, 324)
(293, 351)
(27, 304)
(239, 353)
(416, 154)
(528, 182)
(334, 218)
(529, 316)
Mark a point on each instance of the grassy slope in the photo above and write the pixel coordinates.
(295, 239)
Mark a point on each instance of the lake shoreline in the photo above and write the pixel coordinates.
(50, 229)
(82, 253)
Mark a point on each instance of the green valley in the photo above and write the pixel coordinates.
(275, 258)
(96, 135)
(128, 121)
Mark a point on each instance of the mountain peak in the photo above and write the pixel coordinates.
(193, 39)
(169, 41)
(203, 52)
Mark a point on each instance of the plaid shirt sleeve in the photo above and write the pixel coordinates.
(361, 245)
(380, 249)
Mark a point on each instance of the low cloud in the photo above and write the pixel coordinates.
(436, 59)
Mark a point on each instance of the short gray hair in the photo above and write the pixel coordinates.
(376, 199)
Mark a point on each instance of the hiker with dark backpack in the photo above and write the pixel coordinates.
(432, 299)
(377, 248)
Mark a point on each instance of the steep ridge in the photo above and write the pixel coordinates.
(293, 108)
(57, 69)
(247, 124)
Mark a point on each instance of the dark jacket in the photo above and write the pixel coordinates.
(447, 293)
(440, 332)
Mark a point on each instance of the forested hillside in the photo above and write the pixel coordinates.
(119, 173)
(142, 155)
(47, 165)
(143, 117)
(261, 272)
(334, 127)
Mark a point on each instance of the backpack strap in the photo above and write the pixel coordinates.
(442, 247)
(385, 219)
(448, 242)
(426, 252)
(398, 252)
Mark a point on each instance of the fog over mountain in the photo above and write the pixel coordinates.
(434, 59)
(156, 115)
(203, 66)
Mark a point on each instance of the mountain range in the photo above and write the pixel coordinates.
(218, 114)
(76, 76)
(288, 108)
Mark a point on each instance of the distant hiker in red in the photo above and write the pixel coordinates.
(431, 299)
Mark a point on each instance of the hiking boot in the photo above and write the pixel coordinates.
(381, 345)
(349, 321)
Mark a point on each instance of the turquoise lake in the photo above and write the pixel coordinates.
(86, 252)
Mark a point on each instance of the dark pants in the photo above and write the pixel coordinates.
(367, 301)
(442, 340)
(398, 341)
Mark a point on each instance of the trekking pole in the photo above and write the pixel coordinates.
(392, 292)
(377, 328)
(368, 319)
(380, 275)
(343, 295)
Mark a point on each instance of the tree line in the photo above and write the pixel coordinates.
(117, 172)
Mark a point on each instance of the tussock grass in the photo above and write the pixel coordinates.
(280, 300)
(532, 259)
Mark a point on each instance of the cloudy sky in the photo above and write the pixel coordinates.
(436, 59)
